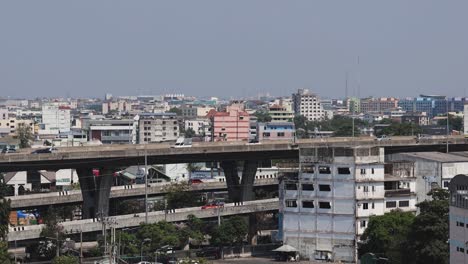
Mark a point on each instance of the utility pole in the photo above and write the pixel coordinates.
(81, 245)
(146, 188)
(448, 117)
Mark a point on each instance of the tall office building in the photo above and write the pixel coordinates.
(55, 118)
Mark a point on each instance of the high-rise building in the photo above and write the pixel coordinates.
(308, 104)
(458, 219)
(157, 127)
(282, 111)
(231, 125)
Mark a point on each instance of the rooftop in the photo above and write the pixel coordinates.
(439, 156)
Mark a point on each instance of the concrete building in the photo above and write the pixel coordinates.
(55, 119)
(157, 127)
(378, 104)
(110, 131)
(282, 111)
(117, 106)
(325, 207)
(433, 169)
(308, 104)
(231, 125)
(354, 105)
(276, 131)
(10, 125)
(465, 120)
(420, 119)
(458, 219)
(201, 126)
(3, 114)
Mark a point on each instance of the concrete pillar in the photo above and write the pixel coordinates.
(242, 191)
(248, 179)
(95, 191)
(88, 191)
(232, 179)
(253, 229)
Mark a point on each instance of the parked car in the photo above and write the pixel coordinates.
(383, 138)
(8, 150)
(44, 150)
(210, 252)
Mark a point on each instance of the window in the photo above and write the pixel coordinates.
(390, 204)
(291, 203)
(280, 134)
(241, 118)
(363, 223)
(291, 186)
(372, 170)
(307, 187)
(308, 169)
(365, 206)
(373, 188)
(324, 205)
(373, 205)
(366, 188)
(344, 171)
(175, 122)
(307, 204)
(175, 128)
(324, 188)
(403, 203)
(266, 134)
(446, 184)
(324, 170)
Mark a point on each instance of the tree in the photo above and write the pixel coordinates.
(262, 116)
(401, 129)
(179, 196)
(176, 110)
(300, 123)
(194, 230)
(160, 234)
(455, 122)
(429, 233)
(24, 135)
(189, 133)
(231, 232)
(65, 260)
(51, 235)
(387, 234)
(4, 256)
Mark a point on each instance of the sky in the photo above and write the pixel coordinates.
(236, 48)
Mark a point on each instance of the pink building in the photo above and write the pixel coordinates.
(232, 125)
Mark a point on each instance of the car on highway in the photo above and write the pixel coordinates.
(383, 138)
(216, 204)
(183, 143)
(422, 138)
(195, 181)
(44, 150)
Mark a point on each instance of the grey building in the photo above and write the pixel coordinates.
(157, 127)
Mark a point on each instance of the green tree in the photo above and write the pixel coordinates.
(455, 122)
(189, 133)
(176, 110)
(429, 233)
(24, 135)
(300, 123)
(401, 129)
(160, 234)
(387, 234)
(194, 230)
(65, 260)
(4, 256)
(231, 232)
(179, 196)
(51, 235)
(262, 116)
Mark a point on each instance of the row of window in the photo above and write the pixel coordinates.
(366, 188)
(308, 187)
(163, 122)
(279, 134)
(461, 224)
(462, 250)
(393, 204)
(327, 170)
(308, 204)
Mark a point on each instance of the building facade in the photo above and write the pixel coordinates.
(56, 118)
(232, 125)
(157, 127)
(458, 219)
(378, 104)
(308, 104)
(281, 112)
(110, 131)
(276, 131)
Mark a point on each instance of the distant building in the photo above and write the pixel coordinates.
(3, 114)
(110, 131)
(458, 219)
(378, 104)
(231, 125)
(276, 131)
(56, 118)
(201, 126)
(9, 126)
(308, 104)
(420, 119)
(465, 120)
(157, 127)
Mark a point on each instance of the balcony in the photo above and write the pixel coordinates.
(398, 193)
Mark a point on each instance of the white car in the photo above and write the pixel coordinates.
(183, 143)
(383, 138)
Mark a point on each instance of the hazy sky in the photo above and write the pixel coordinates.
(233, 48)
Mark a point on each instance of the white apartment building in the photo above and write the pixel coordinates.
(458, 219)
(281, 111)
(326, 206)
(157, 127)
(308, 104)
(200, 126)
(55, 119)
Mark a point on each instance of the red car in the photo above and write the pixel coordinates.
(195, 181)
(213, 205)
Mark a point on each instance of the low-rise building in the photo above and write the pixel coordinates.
(231, 125)
(201, 126)
(110, 131)
(458, 219)
(281, 112)
(276, 131)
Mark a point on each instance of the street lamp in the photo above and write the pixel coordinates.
(141, 247)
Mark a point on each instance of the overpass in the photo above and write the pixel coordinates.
(137, 190)
(96, 190)
(124, 221)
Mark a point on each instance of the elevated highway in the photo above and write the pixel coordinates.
(137, 190)
(124, 221)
